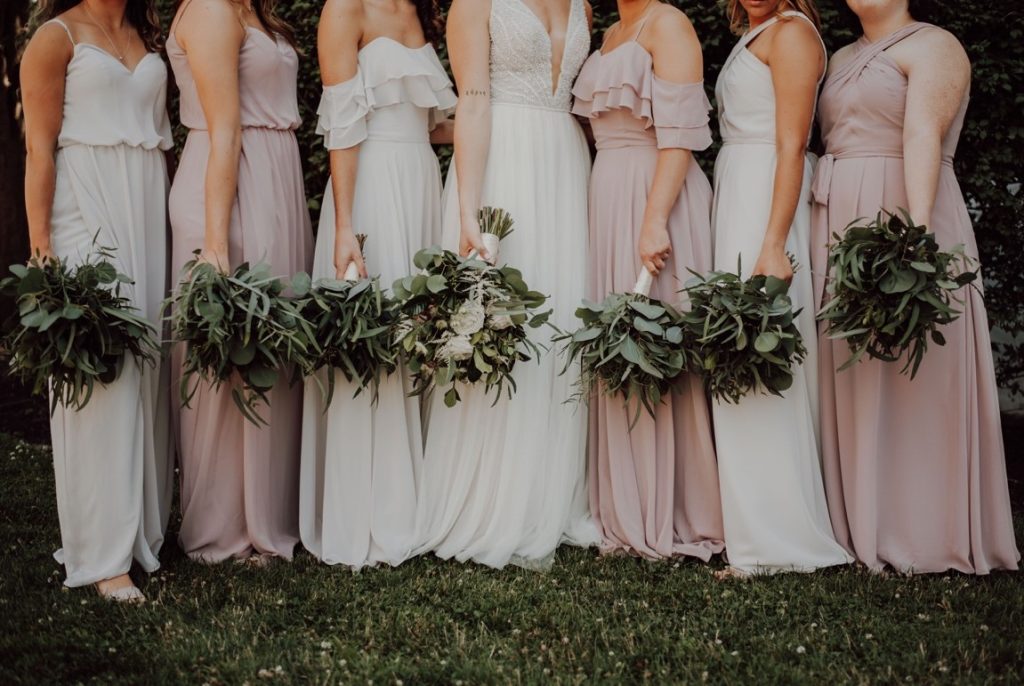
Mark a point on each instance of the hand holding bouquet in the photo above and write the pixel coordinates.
(890, 288)
(352, 322)
(463, 320)
(628, 344)
(236, 323)
(744, 332)
(73, 327)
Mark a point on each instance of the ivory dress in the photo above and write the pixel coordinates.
(357, 501)
(653, 488)
(505, 483)
(914, 469)
(239, 482)
(112, 458)
(773, 501)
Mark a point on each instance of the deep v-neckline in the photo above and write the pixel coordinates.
(556, 81)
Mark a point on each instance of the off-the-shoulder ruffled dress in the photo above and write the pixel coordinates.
(358, 488)
(653, 489)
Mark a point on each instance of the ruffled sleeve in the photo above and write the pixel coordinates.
(614, 84)
(681, 115)
(341, 117)
(403, 75)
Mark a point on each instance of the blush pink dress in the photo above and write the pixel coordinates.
(239, 482)
(653, 489)
(914, 469)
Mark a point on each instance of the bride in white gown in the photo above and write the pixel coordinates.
(505, 483)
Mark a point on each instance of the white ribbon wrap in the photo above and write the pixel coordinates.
(643, 283)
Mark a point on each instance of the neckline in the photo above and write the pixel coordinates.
(868, 43)
(399, 43)
(556, 82)
(129, 70)
(272, 38)
(614, 50)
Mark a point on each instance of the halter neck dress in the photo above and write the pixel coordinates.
(653, 487)
(357, 502)
(773, 500)
(915, 469)
(239, 482)
(112, 458)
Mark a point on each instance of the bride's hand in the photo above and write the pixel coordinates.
(346, 251)
(774, 262)
(654, 246)
(470, 240)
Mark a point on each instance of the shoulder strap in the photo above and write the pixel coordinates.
(754, 33)
(872, 50)
(64, 26)
(824, 50)
(643, 23)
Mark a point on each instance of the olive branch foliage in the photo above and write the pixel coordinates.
(891, 287)
(73, 327)
(238, 323)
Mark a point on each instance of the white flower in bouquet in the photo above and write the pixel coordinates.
(469, 318)
(499, 322)
(456, 348)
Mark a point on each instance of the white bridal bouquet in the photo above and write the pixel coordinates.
(464, 320)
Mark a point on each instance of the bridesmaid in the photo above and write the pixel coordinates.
(385, 91)
(773, 501)
(238, 196)
(96, 124)
(653, 488)
(914, 469)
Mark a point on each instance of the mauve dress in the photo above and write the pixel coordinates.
(914, 469)
(239, 482)
(653, 490)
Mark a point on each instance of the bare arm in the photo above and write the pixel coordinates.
(469, 48)
(338, 36)
(43, 70)
(939, 75)
(443, 133)
(212, 36)
(673, 43)
(795, 59)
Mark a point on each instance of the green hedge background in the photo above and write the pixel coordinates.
(990, 159)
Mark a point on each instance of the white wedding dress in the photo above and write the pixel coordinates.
(773, 498)
(506, 483)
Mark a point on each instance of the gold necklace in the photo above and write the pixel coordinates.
(640, 15)
(120, 56)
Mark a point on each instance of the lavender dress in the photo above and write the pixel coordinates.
(239, 482)
(653, 490)
(914, 469)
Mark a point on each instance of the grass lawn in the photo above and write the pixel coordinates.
(589, 620)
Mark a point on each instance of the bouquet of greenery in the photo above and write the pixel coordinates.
(236, 323)
(73, 327)
(628, 344)
(890, 288)
(744, 333)
(464, 320)
(353, 328)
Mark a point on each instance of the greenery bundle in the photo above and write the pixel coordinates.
(73, 327)
(744, 333)
(890, 289)
(353, 329)
(464, 320)
(628, 344)
(236, 323)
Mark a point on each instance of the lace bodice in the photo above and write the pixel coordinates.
(521, 56)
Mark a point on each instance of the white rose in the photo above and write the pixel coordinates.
(456, 348)
(499, 322)
(468, 319)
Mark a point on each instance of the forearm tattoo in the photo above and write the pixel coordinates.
(474, 91)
